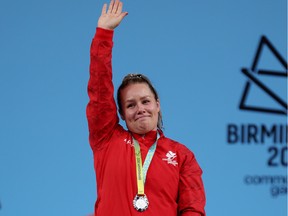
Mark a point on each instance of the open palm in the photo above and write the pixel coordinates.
(112, 17)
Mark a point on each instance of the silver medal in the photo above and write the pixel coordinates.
(140, 203)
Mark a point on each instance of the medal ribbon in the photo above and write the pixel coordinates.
(141, 172)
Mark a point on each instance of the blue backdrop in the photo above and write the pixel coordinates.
(201, 56)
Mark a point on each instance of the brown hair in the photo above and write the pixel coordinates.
(138, 78)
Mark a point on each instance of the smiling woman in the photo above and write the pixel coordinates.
(169, 181)
(140, 108)
(138, 79)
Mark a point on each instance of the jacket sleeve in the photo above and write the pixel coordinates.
(101, 110)
(191, 197)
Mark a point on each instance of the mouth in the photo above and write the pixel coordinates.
(141, 117)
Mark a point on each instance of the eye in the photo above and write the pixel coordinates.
(130, 105)
(146, 101)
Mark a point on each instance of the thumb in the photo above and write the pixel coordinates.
(122, 15)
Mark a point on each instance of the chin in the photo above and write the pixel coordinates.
(142, 130)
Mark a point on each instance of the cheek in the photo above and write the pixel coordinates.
(128, 114)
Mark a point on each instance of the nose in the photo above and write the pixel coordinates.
(141, 109)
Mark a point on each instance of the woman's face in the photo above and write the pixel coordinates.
(140, 109)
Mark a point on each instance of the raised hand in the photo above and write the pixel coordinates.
(112, 17)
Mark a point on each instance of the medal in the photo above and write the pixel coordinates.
(140, 203)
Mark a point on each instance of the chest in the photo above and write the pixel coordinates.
(119, 163)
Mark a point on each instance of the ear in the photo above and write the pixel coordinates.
(158, 105)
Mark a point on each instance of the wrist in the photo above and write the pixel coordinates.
(104, 34)
(105, 27)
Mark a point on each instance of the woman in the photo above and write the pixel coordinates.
(139, 171)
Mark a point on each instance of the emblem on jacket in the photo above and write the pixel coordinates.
(171, 158)
(129, 142)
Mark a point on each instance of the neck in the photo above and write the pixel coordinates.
(147, 139)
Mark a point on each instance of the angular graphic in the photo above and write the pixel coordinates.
(259, 77)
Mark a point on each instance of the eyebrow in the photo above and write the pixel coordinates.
(132, 100)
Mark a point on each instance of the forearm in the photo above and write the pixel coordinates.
(101, 109)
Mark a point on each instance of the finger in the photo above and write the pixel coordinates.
(115, 7)
(119, 9)
(104, 8)
(110, 6)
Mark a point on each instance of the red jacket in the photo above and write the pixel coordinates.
(173, 184)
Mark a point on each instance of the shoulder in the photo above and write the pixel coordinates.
(177, 146)
(185, 156)
(118, 133)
